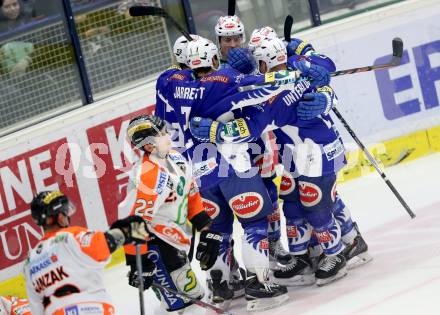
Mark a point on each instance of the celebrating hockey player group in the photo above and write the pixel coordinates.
(208, 155)
(200, 99)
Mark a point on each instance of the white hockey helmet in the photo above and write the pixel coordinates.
(272, 52)
(200, 53)
(179, 48)
(259, 34)
(230, 25)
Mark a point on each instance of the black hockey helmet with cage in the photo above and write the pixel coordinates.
(143, 128)
(49, 203)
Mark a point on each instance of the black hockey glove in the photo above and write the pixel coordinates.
(208, 248)
(148, 270)
(134, 229)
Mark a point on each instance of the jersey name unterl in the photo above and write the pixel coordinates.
(294, 95)
(188, 93)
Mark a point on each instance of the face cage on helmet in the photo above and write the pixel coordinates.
(134, 130)
(166, 129)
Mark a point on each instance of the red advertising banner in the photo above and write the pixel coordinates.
(21, 177)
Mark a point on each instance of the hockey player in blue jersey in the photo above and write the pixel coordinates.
(317, 153)
(230, 34)
(178, 72)
(356, 250)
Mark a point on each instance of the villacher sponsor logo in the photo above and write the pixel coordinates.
(211, 208)
(247, 205)
(309, 194)
(287, 185)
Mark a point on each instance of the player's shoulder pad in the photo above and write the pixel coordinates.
(175, 67)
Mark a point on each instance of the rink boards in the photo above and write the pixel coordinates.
(84, 152)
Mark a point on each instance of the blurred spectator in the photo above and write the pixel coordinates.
(15, 54)
(14, 13)
(16, 57)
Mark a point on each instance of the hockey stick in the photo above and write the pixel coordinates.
(395, 61)
(231, 7)
(193, 241)
(374, 163)
(200, 303)
(141, 10)
(288, 23)
(141, 281)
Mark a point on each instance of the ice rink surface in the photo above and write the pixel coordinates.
(404, 276)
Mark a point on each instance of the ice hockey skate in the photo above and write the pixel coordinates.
(263, 295)
(299, 272)
(278, 256)
(238, 279)
(219, 291)
(330, 269)
(356, 253)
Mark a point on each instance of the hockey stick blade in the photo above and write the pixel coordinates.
(397, 51)
(200, 303)
(231, 7)
(143, 10)
(288, 23)
(395, 61)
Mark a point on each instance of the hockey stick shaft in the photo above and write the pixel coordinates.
(231, 7)
(193, 242)
(141, 281)
(193, 300)
(288, 23)
(374, 163)
(141, 10)
(395, 61)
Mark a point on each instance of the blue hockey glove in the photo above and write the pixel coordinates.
(298, 47)
(312, 105)
(205, 129)
(241, 60)
(319, 75)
